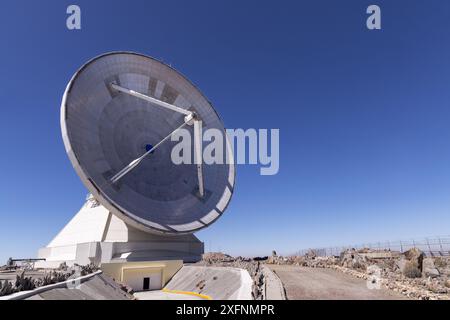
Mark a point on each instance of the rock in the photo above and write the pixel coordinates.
(447, 283)
(443, 265)
(353, 260)
(256, 293)
(6, 288)
(214, 257)
(274, 260)
(411, 264)
(411, 270)
(436, 288)
(311, 254)
(415, 256)
(401, 263)
(63, 266)
(429, 269)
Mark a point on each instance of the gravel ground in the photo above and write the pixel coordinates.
(303, 283)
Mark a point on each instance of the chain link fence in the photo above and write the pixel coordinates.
(438, 246)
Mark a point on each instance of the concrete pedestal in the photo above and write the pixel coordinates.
(95, 235)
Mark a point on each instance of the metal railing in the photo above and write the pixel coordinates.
(438, 246)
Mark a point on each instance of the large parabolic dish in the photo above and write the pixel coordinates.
(105, 129)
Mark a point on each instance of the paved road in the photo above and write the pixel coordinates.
(319, 284)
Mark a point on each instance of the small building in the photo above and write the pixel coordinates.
(141, 276)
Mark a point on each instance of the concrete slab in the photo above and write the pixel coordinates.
(219, 283)
(273, 287)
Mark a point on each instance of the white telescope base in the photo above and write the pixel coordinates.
(95, 235)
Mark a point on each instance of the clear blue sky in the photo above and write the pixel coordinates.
(363, 115)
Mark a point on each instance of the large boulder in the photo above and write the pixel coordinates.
(311, 254)
(415, 256)
(322, 262)
(277, 260)
(447, 283)
(353, 260)
(411, 263)
(273, 259)
(300, 261)
(411, 270)
(429, 269)
(401, 264)
(443, 265)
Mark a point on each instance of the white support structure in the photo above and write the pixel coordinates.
(136, 162)
(190, 117)
(94, 235)
(150, 99)
(199, 155)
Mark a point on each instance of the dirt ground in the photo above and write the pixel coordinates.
(303, 283)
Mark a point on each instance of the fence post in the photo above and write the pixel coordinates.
(429, 248)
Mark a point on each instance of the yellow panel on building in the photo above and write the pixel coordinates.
(143, 275)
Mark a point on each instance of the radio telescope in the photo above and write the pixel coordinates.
(118, 114)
